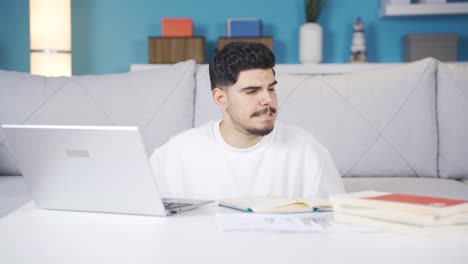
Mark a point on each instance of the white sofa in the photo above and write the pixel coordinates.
(399, 129)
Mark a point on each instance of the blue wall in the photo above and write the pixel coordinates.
(14, 35)
(109, 35)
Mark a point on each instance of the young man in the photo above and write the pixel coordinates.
(247, 152)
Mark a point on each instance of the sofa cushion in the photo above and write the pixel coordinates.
(20, 95)
(13, 194)
(452, 113)
(205, 108)
(378, 123)
(159, 102)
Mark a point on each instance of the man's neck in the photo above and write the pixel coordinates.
(236, 138)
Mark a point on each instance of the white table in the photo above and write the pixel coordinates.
(31, 235)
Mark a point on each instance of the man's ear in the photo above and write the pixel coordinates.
(219, 97)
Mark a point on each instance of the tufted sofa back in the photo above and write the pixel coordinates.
(408, 120)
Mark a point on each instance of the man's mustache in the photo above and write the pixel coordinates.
(264, 111)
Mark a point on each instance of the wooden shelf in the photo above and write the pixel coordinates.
(423, 9)
(175, 49)
(223, 41)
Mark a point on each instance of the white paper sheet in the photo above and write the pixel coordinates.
(305, 222)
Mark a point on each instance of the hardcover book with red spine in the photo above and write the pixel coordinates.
(404, 213)
(437, 206)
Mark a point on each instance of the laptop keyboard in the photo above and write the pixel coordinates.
(173, 205)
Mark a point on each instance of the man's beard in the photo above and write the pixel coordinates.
(252, 130)
(259, 132)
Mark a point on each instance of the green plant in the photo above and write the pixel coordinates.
(312, 9)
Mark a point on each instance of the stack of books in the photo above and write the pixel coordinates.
(402, 213)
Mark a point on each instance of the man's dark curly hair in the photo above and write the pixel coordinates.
(236, 57)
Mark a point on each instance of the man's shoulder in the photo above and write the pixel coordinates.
(196, 133)
(288, 130)
(191, 140)
(295, 135)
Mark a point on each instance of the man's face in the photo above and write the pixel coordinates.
(251, 102)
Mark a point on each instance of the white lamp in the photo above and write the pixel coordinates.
(50, 36)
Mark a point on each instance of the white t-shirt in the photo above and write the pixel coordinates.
(198, 163)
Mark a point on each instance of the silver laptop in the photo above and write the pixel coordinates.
(90, 168)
